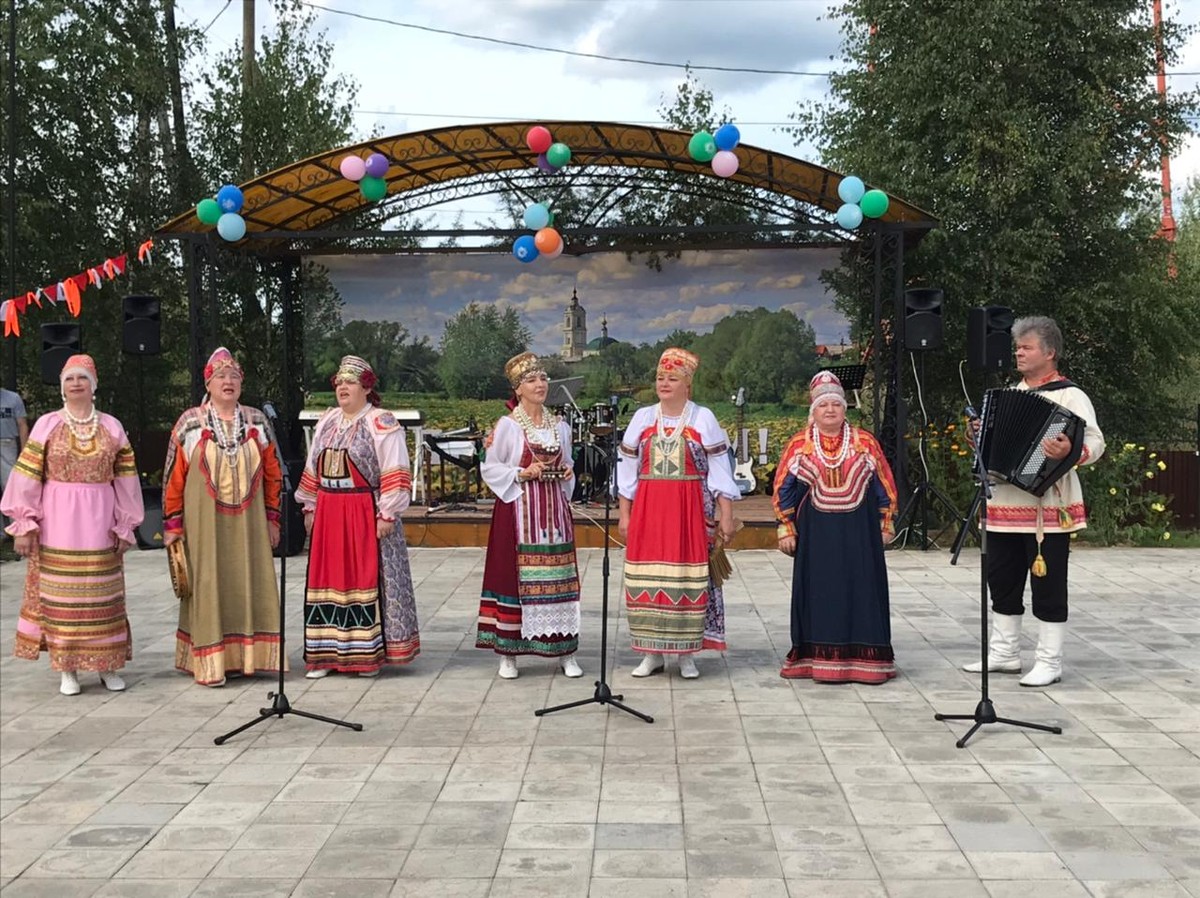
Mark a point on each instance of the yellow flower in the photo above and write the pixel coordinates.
(1075, 535)
(1141, 448)
(1129, 446)
(1167, 535)
(1112, 490)
(1158, 506)
(933, 445)
(950, 427)
(954, 446)
(962, 451)
(1153, 455)
(1162, 465)
(1149, 475)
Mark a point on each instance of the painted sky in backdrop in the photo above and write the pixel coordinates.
(642, 305)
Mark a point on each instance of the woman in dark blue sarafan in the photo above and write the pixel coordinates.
(834, 501)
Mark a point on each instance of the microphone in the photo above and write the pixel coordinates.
(269, 411)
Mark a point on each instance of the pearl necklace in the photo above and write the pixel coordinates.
(228, 439)
(668, 444)
(843, 453)
(535, 434)
(83, 429)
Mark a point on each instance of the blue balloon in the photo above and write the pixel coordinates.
(727, 137)
(231, 226)
(849, 216)
(851, 189)
(229, 198)
(525, 249)
(537, 216)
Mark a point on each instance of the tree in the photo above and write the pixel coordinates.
(475, 345)
(777, 356)
(1029, 130)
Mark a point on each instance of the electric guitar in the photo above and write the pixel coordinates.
(743, 469)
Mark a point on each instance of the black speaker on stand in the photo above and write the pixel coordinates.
(923, 318)
(141, 331)
(60, 341)
(989, 338)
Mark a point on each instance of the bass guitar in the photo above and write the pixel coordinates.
(743, 469)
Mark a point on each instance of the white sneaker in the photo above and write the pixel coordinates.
(687, 667)
(651, 664)
(317, 674)
(571, 667)
(508, 667)
(112, 681)
(70, 684)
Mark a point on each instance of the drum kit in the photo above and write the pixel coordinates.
(591, 431)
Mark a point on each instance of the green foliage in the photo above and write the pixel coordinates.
(1121, 506)
(475, 346)
(1030, 130)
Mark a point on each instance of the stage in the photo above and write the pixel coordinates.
(466, 524)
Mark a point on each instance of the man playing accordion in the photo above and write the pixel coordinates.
(1028, 533)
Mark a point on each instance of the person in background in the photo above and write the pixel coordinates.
(75, 501)
(14, 432)
(834, 500)
(221, 495)
(530, 602)
(676, 498)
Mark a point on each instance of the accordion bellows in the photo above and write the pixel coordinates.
(1013, 426)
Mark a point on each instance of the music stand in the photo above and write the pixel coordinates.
(279, 700)
(433, 447)
(985, 711)
(851, 378)
(607, 436)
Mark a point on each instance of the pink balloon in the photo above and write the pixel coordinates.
(353, 168)
(558, 252)
(725, 164)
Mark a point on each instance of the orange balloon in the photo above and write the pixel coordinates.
(547, 240)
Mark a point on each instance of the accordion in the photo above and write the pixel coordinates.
(1012, 427)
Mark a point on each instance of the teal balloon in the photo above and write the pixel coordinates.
(231, 227)
(851, 189)
(208, 211)
(849, 216)
(702, 147)
(558, 155)
(874, 203)
(372, 189)
(537, 216)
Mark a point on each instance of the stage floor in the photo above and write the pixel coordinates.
(458, 524)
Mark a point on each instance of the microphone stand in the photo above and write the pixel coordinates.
(279, 700)
(985, 711)
(603, 694)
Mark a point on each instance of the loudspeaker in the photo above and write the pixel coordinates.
(59, 343)
(923, 318)
(141, 333)
(150, 533)
(295, 535)
(989, 338)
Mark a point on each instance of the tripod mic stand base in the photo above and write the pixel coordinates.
(603, 696)
(279, 707)
(985, 713)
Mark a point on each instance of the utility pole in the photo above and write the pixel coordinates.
(247, 86)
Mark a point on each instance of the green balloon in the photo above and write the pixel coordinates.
(208, 211)
(372, 189)
(558, 155)
(874, 203)
(702, 147)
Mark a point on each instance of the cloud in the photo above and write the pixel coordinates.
(786, 282)
(664, 324)
(706, 316)
(443, 282)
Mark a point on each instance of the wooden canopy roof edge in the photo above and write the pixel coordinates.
(312, 194)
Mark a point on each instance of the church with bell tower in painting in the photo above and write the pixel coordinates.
(575, 342)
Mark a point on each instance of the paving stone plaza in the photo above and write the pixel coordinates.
(745, 784)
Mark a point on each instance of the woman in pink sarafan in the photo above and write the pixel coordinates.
(75, 501)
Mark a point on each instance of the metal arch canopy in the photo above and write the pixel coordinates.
(312, 195)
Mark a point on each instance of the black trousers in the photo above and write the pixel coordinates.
(1009, 558)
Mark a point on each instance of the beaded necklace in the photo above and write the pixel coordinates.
(228, 437)
(535, 434)
(843, 452)
(83, 429)
(667, 444)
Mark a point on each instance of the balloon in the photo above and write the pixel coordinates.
(849, 216)
(874, 203)
(231, 226)
(208, 211)
(538, 139)
(550, 223)
(851, 189)
(544, 164)
(377, 165)
(701, 147)
(525, 249)
(724, 164)
(372, 189)
(229, 198)
(537, 216)
(353, 168)
(558, 252)
(727, 137)
(558, 155)
(547, 240)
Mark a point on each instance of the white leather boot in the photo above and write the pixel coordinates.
(651, 664)
(1048, 667)
(687, 667)
(1004, 649)
(70, 683)
(508, 667)
(112, 681)
(570, 666)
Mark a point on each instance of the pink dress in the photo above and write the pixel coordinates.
(79, 496)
